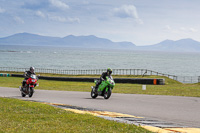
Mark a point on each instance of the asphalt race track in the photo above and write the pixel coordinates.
(184, 111)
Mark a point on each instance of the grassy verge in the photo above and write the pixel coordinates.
(172, 87)
(24, 116)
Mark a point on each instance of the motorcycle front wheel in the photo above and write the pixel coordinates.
(23, 95)
(93, 95)
(107, 94)
(31, 92)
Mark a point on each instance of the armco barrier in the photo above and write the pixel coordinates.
(117, 80)
(140, 81)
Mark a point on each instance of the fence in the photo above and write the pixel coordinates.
(188, 79)
(143, 72)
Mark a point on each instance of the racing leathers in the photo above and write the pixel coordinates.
(103, 77)
(27, 75)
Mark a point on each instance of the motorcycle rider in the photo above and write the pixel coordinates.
(103, 77)
(27, 75)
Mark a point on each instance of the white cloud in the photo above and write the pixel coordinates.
(2, 10)
(57, 18)
(181, 30)
(167, 27)
(19, 20)
(193, 30)
(63, 19)
(86, 2)
(59, 4)
(139, 21)
(40, 14)
(188, 29)
(127, 11)
(73, 20)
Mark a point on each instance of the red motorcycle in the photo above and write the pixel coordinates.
(28, 89)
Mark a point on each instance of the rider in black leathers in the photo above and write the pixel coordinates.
(27, 75)
(103, 77)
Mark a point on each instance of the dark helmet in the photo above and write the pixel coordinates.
(32, 69)
(109, 70)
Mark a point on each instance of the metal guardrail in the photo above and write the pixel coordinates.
(142, 72)
(188, 79)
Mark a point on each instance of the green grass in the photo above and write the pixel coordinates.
(30, 117)
(172, 87)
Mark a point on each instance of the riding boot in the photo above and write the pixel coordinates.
(97, 85)
(23, 85)
(96, 88)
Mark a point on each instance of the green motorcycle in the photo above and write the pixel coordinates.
(104, 89)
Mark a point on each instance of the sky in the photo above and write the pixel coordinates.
(142, 22)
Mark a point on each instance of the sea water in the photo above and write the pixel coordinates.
(48, 57)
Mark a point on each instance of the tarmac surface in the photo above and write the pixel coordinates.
(175, 111)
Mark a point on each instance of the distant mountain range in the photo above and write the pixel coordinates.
(183, 45)
(68, 41)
